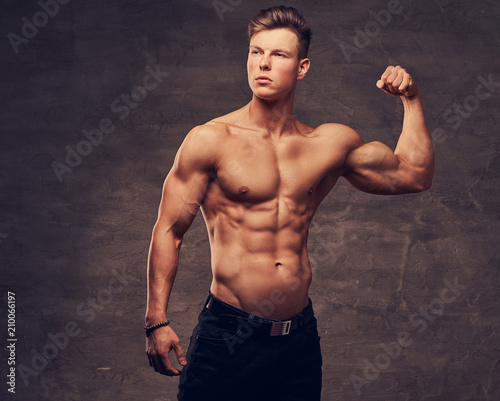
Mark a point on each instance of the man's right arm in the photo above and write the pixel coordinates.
(183, 192)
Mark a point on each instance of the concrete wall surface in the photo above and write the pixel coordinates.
(97, 96)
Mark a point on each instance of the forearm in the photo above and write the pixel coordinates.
(162, 268)
(415, 144)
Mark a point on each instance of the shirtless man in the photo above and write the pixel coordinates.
(259, 175)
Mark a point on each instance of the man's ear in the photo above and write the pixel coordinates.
(303, 68)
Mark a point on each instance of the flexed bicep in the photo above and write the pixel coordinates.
(374, 168)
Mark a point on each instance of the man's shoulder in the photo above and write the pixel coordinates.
(209, 133)
(338, 133)
(335, 129)
(206, 140)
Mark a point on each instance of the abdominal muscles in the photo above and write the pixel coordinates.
(259, 257)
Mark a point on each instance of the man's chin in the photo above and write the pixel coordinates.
(265, 94)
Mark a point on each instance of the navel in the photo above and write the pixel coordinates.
(243, 190)
(311, 190)
(278, 264)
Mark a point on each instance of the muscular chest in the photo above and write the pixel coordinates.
(257, 171)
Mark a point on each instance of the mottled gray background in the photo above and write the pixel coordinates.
(377, 260)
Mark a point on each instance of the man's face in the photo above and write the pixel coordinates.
(273, 64)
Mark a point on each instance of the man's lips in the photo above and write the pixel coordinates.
(263, 79)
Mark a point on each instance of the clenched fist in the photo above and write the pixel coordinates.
(397, 82)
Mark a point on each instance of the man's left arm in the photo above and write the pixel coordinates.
(375, 168)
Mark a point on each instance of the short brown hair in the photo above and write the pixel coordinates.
(283, 17)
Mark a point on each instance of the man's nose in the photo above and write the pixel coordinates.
(264, 64)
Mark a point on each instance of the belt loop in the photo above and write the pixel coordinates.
(300, 320)
(208, 301)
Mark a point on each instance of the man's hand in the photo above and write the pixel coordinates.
(397, 82)
(158, 345)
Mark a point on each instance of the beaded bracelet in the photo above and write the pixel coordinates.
(150, 329)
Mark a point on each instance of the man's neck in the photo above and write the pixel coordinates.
(274, 117)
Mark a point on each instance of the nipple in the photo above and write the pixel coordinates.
(243, 190)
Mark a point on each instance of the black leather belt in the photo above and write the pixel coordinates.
(233, 317)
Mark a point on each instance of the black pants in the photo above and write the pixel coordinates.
(242, 362)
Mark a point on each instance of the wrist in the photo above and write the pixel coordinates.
(150, 329)
(152, 319)
(414, 102)
(415, 98)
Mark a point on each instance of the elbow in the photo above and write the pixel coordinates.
(428, 175)
(422, 177)
(425, 186)
(426, 181)
(423, 183)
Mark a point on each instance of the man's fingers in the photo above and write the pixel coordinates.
(179, 354)
(386, 87)
(405, 83)
(386, 73)
(390, 70)
(397, 81)
(159, 358)
(167, 368)
(162, 365)
(158, 347)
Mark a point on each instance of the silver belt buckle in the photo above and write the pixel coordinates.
(281, 328)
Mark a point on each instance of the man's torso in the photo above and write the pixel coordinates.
(258, 208)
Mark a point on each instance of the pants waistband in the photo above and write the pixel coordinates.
(232, 317)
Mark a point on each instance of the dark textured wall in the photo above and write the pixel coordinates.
(420, 268)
